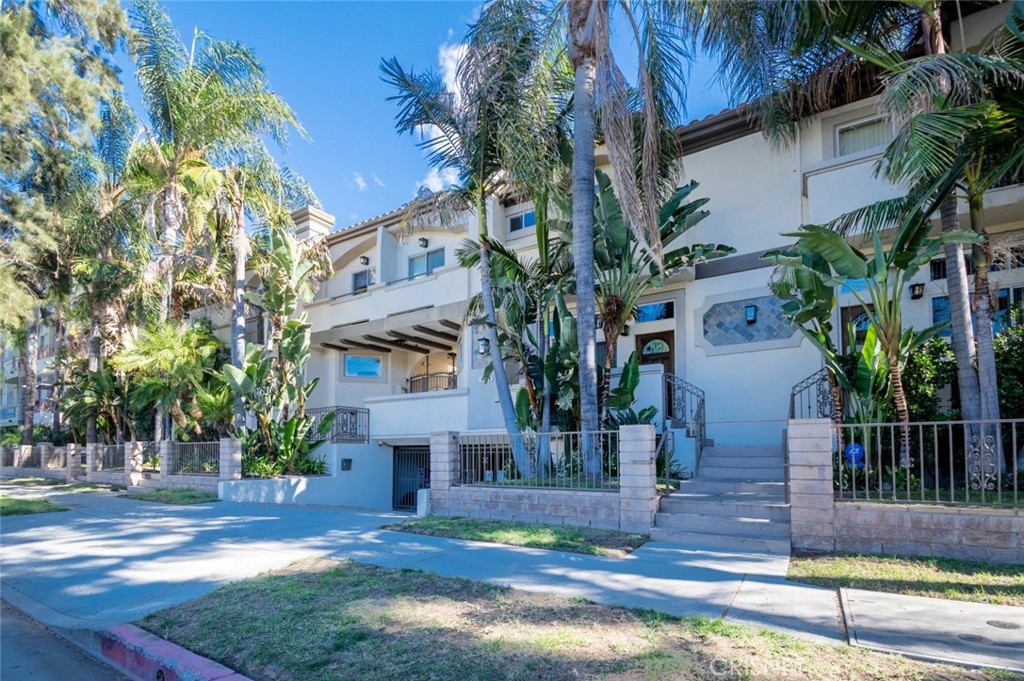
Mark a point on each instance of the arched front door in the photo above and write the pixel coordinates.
(657, 348)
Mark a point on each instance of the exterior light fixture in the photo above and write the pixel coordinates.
(750, 312)
(483, 346)
(625, 330)
(916, 291)
(364, 260)
(423, 242)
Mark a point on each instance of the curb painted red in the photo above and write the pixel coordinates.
(145, 657)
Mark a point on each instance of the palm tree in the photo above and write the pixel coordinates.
(598, 81)
(167, 363)
(968, 137)
(468, 130)
(793, 59)
(201, 100)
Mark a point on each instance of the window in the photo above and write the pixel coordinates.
(652, 312)
(856, 137)
(601, 352)
(1009, 308)
(426, 263)
(522, 221)
(364, 366)
(655, 347)
(938, 267)
(361, 281)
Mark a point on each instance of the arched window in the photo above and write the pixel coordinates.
(655, 346)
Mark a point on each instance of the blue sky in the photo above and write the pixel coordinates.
(323, 59)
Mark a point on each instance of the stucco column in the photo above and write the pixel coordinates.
(164, 448)
(72, 454)
(811, 496)
(132, 463)
(90, 461)
(230, 459)
(444, 470)
(638, 493)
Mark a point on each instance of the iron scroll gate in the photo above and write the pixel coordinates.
(411, 474)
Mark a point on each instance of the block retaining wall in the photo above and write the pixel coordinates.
(631, 508)
(820, 523)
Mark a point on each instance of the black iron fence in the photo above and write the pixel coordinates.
(194, 458)
(561, 460)
(351, 424)
(940, 462)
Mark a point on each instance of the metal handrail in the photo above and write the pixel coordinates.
(351, 424)
(813, 397)
(442, 380)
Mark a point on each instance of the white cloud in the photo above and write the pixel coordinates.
(377, 181)
(437, 180)
(360, 181)
(448, 56)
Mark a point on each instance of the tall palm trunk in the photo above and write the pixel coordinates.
(960, 318)
(584, 60)
(95, 342)
(241, 247)
(987, 381)
(29, 388)
(170, 222)
(508, 410)
(962, 329)
(57, 392)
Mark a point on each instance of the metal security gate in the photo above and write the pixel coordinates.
(412, 473)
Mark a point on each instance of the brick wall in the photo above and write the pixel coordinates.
(819, 523)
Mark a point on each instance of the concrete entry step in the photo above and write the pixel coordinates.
(776, 489)
(740, 474)
(741, 462)
(744, 543)
(765, 508)
(723, 525)
(738, 452)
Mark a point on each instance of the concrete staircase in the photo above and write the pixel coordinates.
(736, 502)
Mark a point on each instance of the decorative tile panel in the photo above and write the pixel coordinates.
(726, 323)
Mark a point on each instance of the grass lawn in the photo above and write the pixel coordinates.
(182, 497)
(60, 485)
(321, 619)
(609, 543)
(16, 506)
(959, 580)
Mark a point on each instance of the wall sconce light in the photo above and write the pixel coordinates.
(364, 260)
(483, 346)
(625, 330)
(423, 242)
(751, 314)
(916, 291)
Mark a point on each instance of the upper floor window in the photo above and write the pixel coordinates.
(364, 366)
(426, 263)
(522, 221)
(361, 281)
(652, 312)
(853, 138)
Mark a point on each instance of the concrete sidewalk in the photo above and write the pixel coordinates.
(112, 560)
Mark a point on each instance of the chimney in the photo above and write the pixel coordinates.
(311, 222)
